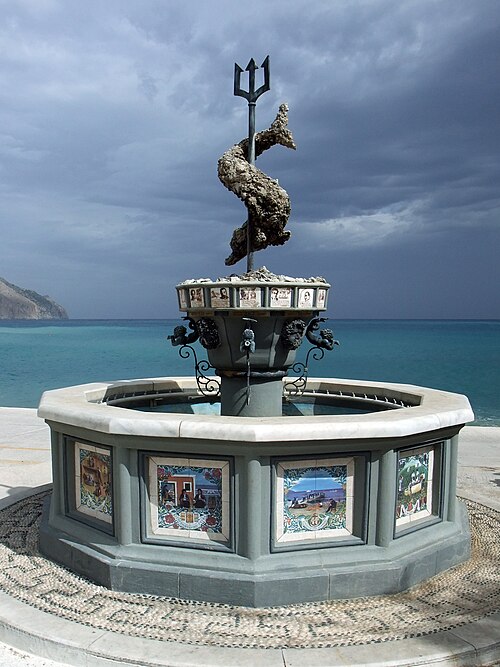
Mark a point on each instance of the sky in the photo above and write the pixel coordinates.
(113, 116)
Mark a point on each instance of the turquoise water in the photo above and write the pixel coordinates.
(461, 356)
(292, 409)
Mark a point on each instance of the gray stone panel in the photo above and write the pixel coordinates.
(138, 578)
(367, 580)
(254, 570)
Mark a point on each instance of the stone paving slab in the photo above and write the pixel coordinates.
(24, 451)
(479, 465)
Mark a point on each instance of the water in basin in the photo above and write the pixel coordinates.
(290, 409)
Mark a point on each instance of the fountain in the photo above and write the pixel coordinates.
(256, 485)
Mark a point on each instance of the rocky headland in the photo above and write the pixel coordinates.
(17, 303)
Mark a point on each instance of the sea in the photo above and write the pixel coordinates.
(462, 356)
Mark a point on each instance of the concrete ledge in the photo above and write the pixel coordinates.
(432, 410)
(28, 629)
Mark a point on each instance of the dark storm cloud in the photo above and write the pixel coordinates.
(114, 114)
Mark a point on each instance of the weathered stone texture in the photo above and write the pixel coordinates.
(267, 203)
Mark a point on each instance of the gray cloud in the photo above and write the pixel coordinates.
(114, 114)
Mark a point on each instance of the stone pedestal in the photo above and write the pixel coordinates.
(252, 397)
(276, 310)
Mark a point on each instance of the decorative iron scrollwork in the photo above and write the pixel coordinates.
(206, 330)
(292, 334)
(297, 387)
(323, 341)
(208, 333)
(208, 386)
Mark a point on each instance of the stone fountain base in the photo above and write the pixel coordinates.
(255, 511)
(251, 326)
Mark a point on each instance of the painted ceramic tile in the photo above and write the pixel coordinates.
(280, 297)
(414, 492)
(321, 297)
(182, 298)
(219, 297)
(306, 298)
(314, 499)
(189, 498)
(93, 481)
(196, 297)
(250, 297)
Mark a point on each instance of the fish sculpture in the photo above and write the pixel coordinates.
(268, 204)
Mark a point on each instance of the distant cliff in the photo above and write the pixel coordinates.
(17, 303)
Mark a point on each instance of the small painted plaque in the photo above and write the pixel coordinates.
(414, 491)
(306, 298)
(189, 499)
(314, 499)
(196, 297)
(182, 298)
(280, 297)
(250, 297)
(93, 482)
(219, 297)
(321, 298)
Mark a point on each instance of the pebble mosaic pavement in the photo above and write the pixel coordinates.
(461, 595)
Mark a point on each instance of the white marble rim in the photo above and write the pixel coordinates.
(435, 409)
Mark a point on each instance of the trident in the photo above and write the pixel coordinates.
(251, 96)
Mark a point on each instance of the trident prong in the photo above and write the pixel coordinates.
(267, 82)
(251, 97)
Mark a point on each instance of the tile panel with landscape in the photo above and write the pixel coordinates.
(314, 499)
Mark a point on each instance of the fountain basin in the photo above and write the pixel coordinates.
(251, 327)
(255, 511)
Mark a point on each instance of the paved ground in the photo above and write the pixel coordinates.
(24, 451)
(25, 463)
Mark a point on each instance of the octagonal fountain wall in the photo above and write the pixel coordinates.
(350, 493)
